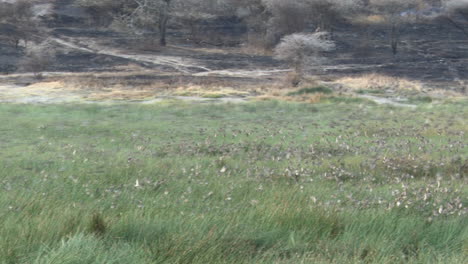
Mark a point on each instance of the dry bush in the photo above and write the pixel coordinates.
(292, 79)
(255, 16)
(299, 49)
(17, 22)
(38, 58)
(457, 6)
(270, 20)
(287, 17)
(197, 18)
(294, 16)
(138, 16)
(103, 12)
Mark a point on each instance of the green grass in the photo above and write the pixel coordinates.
(420, 99)
(312, 90)
(370, 91)
(347, 100)
(263, 182)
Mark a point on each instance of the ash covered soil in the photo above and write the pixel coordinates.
(93, 62)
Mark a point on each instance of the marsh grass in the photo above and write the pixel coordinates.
(267, 182)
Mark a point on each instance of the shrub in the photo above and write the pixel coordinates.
(38, 58)
(457, 6)
(299, 48)
(454, 5)
(17, 22)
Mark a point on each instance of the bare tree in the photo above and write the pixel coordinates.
(38, 58)
(17, 21)
(193, 15)
(299, 48)
(395, 16)
(103, 12)
(140, 16)
(456, 6)
(148, 15)
(277, 18)
(255, 15)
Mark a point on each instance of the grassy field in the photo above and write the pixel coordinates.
(271, 182)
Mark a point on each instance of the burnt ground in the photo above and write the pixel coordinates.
(433, 53)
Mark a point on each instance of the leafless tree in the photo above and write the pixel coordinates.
(192, 15)
(103, 12)
(38, 58)
(277, 18)
(394, 14)
(150, 14)
(139, 16)
(17, 21)
(456, 6)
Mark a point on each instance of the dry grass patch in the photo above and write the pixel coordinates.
(379, 82)
(368, 19)
(306, 98)
(122, 94)
(289, 96)
(209, 92)
(45, 88)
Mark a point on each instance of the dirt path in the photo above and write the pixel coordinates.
(181, 64)
(242, 73)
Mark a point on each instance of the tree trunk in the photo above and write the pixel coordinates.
(394, 38)
(162, 31)
(163, 23)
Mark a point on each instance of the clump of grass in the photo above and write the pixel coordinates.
(420, 99)
(97, 225)
(366, 91)
(88, 249)
(312, 90)
(214, 95)
(349, 100)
